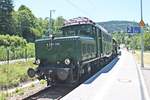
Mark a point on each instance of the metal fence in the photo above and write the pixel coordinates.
(7, 54)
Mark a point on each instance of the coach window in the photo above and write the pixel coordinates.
(106, 37)
(99, 33)
(103, 36)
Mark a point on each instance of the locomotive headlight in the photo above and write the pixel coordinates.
(67, 61)
(37, 61)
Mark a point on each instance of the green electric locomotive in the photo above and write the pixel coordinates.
(83, 47)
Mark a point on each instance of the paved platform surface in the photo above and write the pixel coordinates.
(122, 82)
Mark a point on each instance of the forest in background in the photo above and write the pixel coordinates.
(19, 29)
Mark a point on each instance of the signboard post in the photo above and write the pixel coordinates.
(142, 24)
(142, 42)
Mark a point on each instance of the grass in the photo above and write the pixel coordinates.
(13, 74)
(19, 91)
(42, 82)
(32, 85)
(146, 57)
(2, 96)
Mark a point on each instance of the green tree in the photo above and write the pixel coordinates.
(26, 23)
(137, 42)
(41, 26)
(58, 23)
(29, 26)
(16, 23)
(6, 21)
(147, 41)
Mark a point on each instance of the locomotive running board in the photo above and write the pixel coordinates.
(91, 60)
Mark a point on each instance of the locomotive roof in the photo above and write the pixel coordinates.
(103, 29)
(82, 21)
(78, 21)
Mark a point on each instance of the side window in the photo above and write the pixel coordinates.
(84, 48)
(99, 33)
(106, 37)
(103, 36)
(94, 30)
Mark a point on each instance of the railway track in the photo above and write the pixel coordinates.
(53, 93)
(50, 93)
(56, 92)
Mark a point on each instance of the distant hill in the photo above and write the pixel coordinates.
(117, 26)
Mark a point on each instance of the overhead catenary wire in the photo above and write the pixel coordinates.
(92, 4)
(79, 9)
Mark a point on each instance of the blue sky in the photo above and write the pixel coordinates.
(97, 10)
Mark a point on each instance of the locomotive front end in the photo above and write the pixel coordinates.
(55, 57)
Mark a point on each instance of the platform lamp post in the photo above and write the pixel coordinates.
(142, 33)
(50, 22)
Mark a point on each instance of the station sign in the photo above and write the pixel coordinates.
(133, 30)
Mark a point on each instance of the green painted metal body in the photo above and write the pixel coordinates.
(79, 43)
(58, 49)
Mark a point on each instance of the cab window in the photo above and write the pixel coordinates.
(83, 30)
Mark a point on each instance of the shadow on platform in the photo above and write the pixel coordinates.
(106, 69)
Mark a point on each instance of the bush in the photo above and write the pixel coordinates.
(13, 41)
(14, 47)
(3, 53)
(147, 41)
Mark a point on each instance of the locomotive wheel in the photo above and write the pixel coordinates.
(48, 82)
(88, 69)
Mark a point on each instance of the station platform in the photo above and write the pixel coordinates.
(119, 80)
